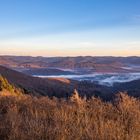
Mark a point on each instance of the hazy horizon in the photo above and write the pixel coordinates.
(10, 55)
(54, 28)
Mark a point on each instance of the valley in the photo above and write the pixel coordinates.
(59, 76)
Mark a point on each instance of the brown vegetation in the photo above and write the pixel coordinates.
(30, 118)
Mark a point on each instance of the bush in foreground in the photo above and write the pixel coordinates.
(30, 118)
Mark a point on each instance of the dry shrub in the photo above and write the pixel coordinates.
(30, 118)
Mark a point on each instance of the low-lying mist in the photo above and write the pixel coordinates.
(107, 79)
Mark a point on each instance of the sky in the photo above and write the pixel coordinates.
(70, 27)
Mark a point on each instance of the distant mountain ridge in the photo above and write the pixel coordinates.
(97, 64)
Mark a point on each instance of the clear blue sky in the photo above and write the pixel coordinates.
(70, 27)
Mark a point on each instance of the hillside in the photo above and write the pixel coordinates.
(61, 87)
(58, 87)
(132, 88)
(36, 86)
(46, 71)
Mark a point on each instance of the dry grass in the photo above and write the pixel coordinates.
(31, 118)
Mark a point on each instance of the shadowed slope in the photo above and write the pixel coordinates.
(36, 86)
